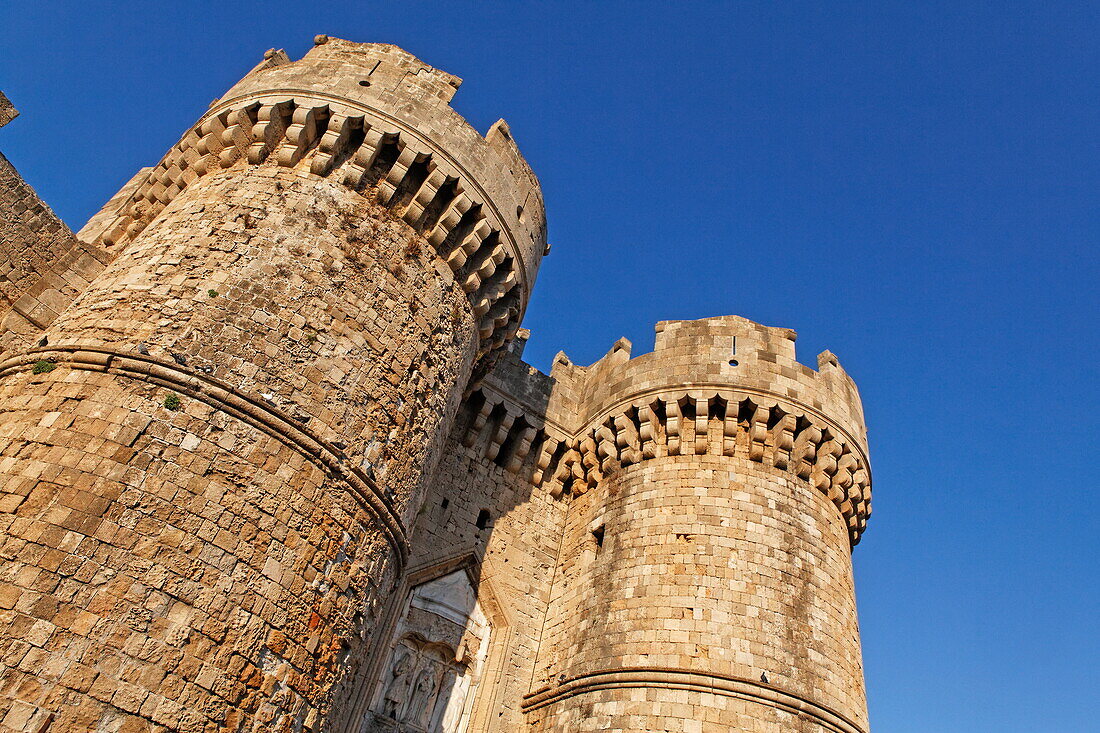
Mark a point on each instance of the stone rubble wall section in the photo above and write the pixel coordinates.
(8, 112)
(170, 570)
(308, 297)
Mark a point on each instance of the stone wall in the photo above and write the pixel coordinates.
(42, 265)
(702, 573)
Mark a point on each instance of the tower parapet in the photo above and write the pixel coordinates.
(742, 374)
(371, 116)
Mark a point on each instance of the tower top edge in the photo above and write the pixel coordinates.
(721, 353)
(369, 53)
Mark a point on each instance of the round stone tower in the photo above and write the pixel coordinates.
(704, 580)
(211, 457)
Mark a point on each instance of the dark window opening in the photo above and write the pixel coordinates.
(383, 162)
(482, 519)
(597, 535)
(414, 178)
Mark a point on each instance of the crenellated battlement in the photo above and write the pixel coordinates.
(377, 120)
(410, 100)
(721, 352)
(719, 386)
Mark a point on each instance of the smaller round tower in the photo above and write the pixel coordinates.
(705, 579)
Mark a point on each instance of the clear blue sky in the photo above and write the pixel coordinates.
(911, 185)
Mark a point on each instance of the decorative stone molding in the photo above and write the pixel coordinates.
(223, 397)
(682, 422)
(693, 681)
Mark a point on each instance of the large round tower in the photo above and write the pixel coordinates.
(704, 581)
(212, 455)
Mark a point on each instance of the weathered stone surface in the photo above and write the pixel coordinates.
(270, 458)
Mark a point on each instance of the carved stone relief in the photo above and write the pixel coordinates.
(436, 660)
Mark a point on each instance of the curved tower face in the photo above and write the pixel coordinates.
(705, 581)
(211, 457)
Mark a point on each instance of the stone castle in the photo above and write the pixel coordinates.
(270, 459)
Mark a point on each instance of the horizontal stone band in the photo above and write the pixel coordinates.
(703, 682)
(223, 397)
